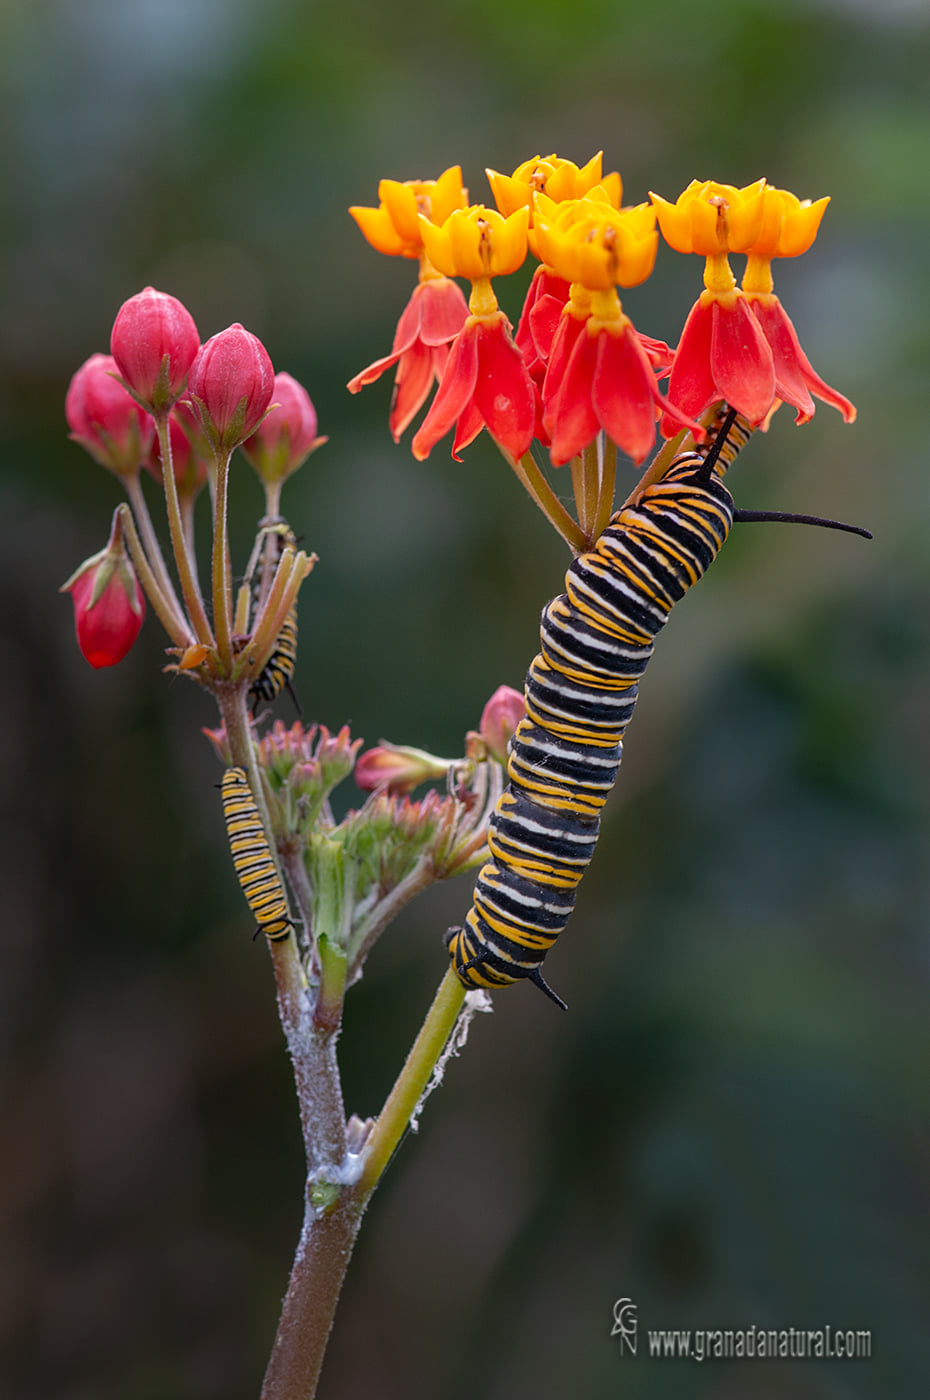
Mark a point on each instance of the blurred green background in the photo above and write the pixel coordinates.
(730, 1125)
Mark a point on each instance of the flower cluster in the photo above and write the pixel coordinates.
(162, 397)
(359, 872)
(577, 366)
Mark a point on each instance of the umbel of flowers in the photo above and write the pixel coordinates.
(161, 398)
(593, 376)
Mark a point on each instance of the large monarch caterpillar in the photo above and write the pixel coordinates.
(278, 671)
(580, 691)
(258, 876)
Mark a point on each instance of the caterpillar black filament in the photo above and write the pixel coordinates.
(254, 866)
(278, 671)
(580, 691)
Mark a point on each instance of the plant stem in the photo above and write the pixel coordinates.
(528, 472)
(313, 1290)
(222, 581)
(370, 928)
(327, 1238)
(658, 466)
(586, 486)
(190, 587)
(175, 626)
(412, 1080)
(153, 548)
(605, 505)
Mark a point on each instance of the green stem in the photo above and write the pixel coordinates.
(190, 588)
(327, 1013)
(153, 550)
(658, 466)
(586, 485)
(273, 499)
(412, 1080)
(175, 626)
(605, 504)
(222, 580)
(538, 488)
(370, 928)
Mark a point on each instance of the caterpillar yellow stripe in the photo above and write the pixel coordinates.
(252, 859)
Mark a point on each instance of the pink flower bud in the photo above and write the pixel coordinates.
(154, 342)
(398, 770)
(499, 720)
(230, 383)
(287, 436)
(109, 606)
(105, 420)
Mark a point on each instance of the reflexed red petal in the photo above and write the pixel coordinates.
(412, 384)
(540, 432)
(544, 322)
(454, 392)
(467, 428)
(786, 349)
(534, 335)
(570, 417)
(741, 361)
(504, 393)
(407, 329)
(563, 345)
(657, 352)
(623, 393)
(691, 385)
(372, 372)
(443, 310)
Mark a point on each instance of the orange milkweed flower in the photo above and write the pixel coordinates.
(738, 344)
(599, 373)
(394, 227)
(436, 310)
(484, 382)
(551, 175)
(558, 180)
(789, 228)
(722, 352)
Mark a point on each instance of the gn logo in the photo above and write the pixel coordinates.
(625, 1323)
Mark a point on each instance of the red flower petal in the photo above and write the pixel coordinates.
(504, 393)
(570, 417)
(564, 342)
(443, 310)
(534, 334)
(467, 428)
(791, 361)
(691, 386)
(454, 392)
(741, 361)
(373, 371)
(623, 393)
(657, 352)
(407, 330)
(544, 322)
(412, 383)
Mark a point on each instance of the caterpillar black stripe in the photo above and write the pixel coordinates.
(580, 691)
(254, 866)
(278, 671)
